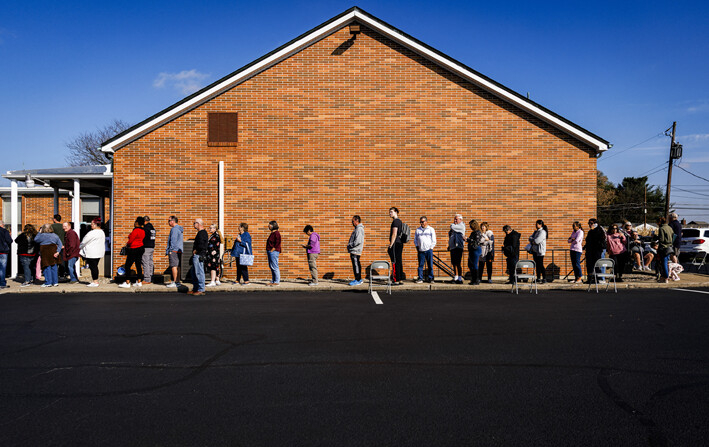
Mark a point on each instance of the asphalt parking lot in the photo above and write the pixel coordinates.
(335, 368)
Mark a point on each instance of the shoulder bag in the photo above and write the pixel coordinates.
(246, 258)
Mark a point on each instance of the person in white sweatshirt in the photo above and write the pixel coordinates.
(93, 248)
(425, 241)
(456, 245)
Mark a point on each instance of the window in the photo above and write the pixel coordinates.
(7, 208)
(690, 232)
(222, 128)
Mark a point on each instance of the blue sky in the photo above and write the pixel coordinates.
(623, 70)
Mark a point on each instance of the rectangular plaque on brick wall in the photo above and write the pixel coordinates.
(222, 128)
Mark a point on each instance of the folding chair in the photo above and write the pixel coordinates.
(699, 261)
(377, 266)
(525, 266)
(609, 265)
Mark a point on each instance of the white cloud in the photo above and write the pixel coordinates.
(696, 137)
(185, 82)
(697, 106)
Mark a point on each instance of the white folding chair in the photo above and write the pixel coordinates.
(379, 267)
(700, 260)
(609, 265)
(525, 266)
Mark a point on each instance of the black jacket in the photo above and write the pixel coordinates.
(5, 241)
(25, 246)
(201, 242)
(149, 241)
(595, 240)
(510, 246)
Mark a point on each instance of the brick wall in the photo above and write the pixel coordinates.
(38, 209)
(328, 133)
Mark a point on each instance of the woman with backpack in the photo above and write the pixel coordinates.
(538, 248)
(474, 241)
(456, 245)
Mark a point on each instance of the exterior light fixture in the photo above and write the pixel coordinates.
(29, 181)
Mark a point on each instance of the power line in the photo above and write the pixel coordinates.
(631, 147)
(691, 173)
(692, 192)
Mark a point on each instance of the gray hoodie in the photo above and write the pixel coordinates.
(356, 243)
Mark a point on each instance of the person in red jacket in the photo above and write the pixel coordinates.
(135, 250)
(71, 250)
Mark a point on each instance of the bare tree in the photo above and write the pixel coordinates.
(84, 148)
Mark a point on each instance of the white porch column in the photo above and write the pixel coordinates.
(221, 204)
(14, 224)
(56, 200)
(76, 204)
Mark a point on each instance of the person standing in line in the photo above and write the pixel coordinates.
(396, 246)
(242, 245)
(510, 248)
(26, 252)
(425, 242)
(488, 252)
(456, 245)
(148, 250)
(576, 241)
(50, 248)
(199, 255)
(134, 249)
(175, 245)
(273, 250)
(595, 244)
(312, 249)
(676, 226)
(5, 249)
(665, 249)
(213, 262)
(93, 248)
(71, 250)
(355, 246)
(616, 243)
(58, 229)
(474, 241)
(538, 240)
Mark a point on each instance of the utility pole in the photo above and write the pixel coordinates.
(645, 207)
(669, 173)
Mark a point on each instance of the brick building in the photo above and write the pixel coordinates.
(349, 118)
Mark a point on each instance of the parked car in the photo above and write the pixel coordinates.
(694, 240)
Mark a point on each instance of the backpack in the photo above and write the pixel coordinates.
(405, 232)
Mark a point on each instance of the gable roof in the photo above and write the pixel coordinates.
(353, 14)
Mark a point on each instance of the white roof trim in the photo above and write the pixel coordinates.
(391, 33)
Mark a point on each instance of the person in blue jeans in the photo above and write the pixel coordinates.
(27, 252)
(273, 250)
(425, 242)
(199, 252)
(5, 245)
(50, 247)
(474, 251)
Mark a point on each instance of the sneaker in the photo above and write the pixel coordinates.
(46, 285)
(55, 285)
(419, 281)
(171, 285)
(92, 284)
(138, 284)
(211, 284)
(73, 282)
(313, 284)
(219, 283)
(198, 293)
(246, 283)
(352, 283)
(25, 284)
(124, 285)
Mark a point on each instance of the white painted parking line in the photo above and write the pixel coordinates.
(690, 290)
(375, 295)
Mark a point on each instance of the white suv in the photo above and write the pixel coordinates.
(694, 240)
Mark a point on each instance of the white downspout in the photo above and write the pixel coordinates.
(221, 205)
(13, 229)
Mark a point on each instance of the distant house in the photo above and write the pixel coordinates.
(698, 224)
(352, 117)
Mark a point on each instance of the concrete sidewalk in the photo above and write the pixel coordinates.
(631, 281)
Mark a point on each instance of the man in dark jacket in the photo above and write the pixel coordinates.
(71, 250)
(510, 248)
(199, 253)
(5, 245)
(149, 247)
(595, 244)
